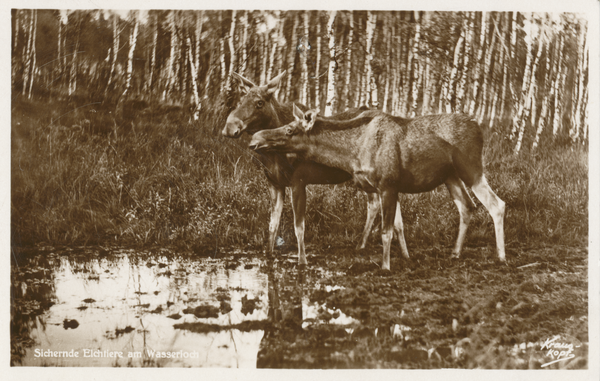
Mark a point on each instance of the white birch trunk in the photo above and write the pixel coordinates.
(369, 80)
(487, 75)
(132, 44)
(349, 62)
(525, 86)
(580, 85)
(416, 67)
(304, 97)
(387, 30)
(462, 82)
(153, 57)
(244, 21)
(292, 49)
(231, 50)
(558, 86)
(454, 72)
(330, 99)
(318, 65)
(479, 64)
(194, 75)
(33, 54)
(528, 100)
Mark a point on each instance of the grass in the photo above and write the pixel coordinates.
(84, 176)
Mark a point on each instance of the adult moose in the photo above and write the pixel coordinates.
(391, 155)
(259, 110)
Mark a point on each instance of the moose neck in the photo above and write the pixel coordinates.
(332, 143)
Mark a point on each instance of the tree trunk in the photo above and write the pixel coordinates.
(454, 72)
(115, 51)
(292, 49)
(416, 66)
(132, 44)
(487, 75)
(504, 60)
(73, 76)
(346, 95)
(231, 50)
(480, 63)
(330, 99)
(153, 57)
(579, 85)
(194, 75)
(559, 81)
(528, 99)
(33, 55)
(462, 82)
(520, 106)
(318, 64)
(28, 64)
(304, 97)
(371, 86)
(387, 33)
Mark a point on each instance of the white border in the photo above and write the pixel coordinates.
(587, 7)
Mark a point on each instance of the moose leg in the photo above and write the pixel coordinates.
(372, 210)
(399, 228)
(299, 208)
(496, 207)
(388, 202)
(277, 194)
(465, 206)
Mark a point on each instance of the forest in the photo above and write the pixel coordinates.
(119, 168)
(106, 98)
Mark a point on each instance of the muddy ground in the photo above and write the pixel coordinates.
(342, 311)
(434, 312)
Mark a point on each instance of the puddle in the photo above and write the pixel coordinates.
(127, 308)
(158, 308)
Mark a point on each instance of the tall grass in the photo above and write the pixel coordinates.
(82, 176)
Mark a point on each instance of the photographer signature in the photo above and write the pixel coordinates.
(558, 350)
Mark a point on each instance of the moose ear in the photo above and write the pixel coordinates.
(309, 119)
(298, 114)
(274, 83)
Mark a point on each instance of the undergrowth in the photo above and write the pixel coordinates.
(83, 175)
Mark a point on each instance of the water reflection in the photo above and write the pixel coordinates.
(131, 308)
(122, 310)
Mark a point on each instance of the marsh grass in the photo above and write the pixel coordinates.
(149, 175)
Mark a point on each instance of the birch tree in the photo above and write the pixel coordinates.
(32, 59)
(454, 72)
(346, 94)
(579, 85)
(231, 50)
(520, 106)
(479, 63)
(291, 56)
(416, 64)
(304, 46)
(318, 63)
(528, 99)
(462, 81)
(488, 75)
(370, 85)
(504, 59)
(244, 25)
(132, 44)
(331, 82)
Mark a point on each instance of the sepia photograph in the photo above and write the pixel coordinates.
(369, 187)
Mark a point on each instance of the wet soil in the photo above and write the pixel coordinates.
(435, 312)
(342, 310)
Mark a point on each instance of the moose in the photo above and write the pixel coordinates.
(259, 110)
(389, 155)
